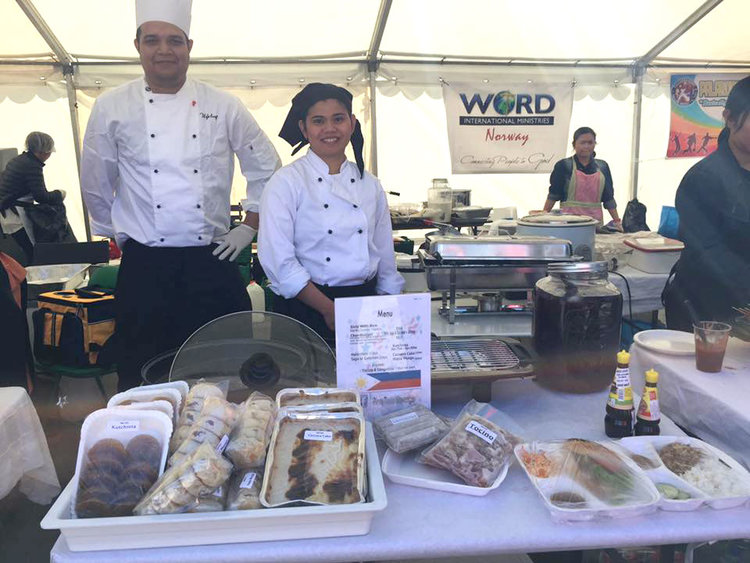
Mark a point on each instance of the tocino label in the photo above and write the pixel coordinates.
(481, 431)
(404, 418)
(248, 480)
(222, 445)
(319, 435)
(125, 425)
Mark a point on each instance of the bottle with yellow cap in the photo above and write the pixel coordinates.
(618, 422)
(648, 411)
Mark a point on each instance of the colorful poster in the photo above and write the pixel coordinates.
(514, 128)
(383, 350)
(697, 105)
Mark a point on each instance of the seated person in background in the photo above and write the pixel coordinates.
(583, 183)
(713, 201)
(23, 179)
(325, 228)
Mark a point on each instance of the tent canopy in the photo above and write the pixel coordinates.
(56, 57)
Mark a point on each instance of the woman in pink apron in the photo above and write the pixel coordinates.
(583, 183)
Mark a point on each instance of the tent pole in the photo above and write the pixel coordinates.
(76, 127)
(635, 151)
(372, 69)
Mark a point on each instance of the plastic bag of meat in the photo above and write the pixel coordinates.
(476, 449)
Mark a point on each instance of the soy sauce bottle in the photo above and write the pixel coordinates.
(618, 422)
(648, 411)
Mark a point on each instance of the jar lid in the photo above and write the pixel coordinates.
(577, 268)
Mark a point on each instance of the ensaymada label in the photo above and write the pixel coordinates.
(222, 444)
(404, 418)
(481, 431)
(124, 425)
(319, 435)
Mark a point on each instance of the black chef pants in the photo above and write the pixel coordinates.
(163, 295)
(298, 310)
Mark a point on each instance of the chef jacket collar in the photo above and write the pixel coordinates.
(303, 101)
(320, 167)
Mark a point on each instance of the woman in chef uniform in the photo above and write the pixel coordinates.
(325, 228)
(583, 183)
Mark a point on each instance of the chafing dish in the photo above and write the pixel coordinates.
(500, 263)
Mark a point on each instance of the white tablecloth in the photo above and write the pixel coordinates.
(645, 289)
(421, 523)
(24, 454)
(713, 406)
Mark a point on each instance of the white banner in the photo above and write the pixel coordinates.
(514, 128)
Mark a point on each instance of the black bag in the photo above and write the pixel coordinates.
(50, 223)
(634, 218)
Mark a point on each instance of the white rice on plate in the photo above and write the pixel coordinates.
(715, 479)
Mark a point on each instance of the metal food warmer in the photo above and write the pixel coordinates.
(501, 264)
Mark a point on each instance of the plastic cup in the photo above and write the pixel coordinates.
(710, 344)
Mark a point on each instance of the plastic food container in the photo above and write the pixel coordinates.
(654, 255)
(295, 396)
(132, 532)
(726, 464)
(586, 481)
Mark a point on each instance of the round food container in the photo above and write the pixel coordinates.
(580, 230)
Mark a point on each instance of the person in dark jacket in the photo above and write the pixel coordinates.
(713, 202)
(23, 181)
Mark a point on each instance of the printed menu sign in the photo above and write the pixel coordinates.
(383, 350)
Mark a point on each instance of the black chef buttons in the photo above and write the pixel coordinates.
(148, 88)
(198, 206)
(359, 231)
(152, 135)
(251, 148)
(195, 136)
(200, 237)
(328, 258)
(158, 206)
(151, 101)
(325, 205)
(352, 180)
(195, 171)
(156, 171)
(320, 179)
(330, 232)
(161, 239)
(355, 206)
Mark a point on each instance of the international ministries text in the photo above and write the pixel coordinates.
(506, 120)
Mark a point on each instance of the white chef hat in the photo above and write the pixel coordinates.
(176, 12)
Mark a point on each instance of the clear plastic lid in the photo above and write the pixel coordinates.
(255, 351)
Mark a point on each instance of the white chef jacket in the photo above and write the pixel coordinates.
(333, 229)
(158, 168)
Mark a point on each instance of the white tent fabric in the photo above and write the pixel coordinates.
(264, 51)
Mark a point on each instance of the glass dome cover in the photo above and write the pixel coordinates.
(255, 351)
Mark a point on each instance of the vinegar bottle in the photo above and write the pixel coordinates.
(618, 422)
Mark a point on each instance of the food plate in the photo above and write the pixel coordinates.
(670, 342)
(406, 470)
(130, 532)
(727, 468)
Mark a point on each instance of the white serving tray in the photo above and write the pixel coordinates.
(166, 530)
(406, 470)
(718, 503)
(670, 342)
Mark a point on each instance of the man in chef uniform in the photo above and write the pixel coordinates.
(156, 175)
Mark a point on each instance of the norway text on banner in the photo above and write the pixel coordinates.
(513, 128)
(697, 104)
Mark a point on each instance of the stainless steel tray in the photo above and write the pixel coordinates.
(504, 248)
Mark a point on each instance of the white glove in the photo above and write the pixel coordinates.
(234, 242)
(63, 192)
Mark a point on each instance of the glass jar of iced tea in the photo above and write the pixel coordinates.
(577, 317)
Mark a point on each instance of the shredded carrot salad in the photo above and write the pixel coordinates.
(538, 464)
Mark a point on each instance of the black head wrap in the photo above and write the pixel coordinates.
(301, 104)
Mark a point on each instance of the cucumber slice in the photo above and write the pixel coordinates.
(668, 490)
